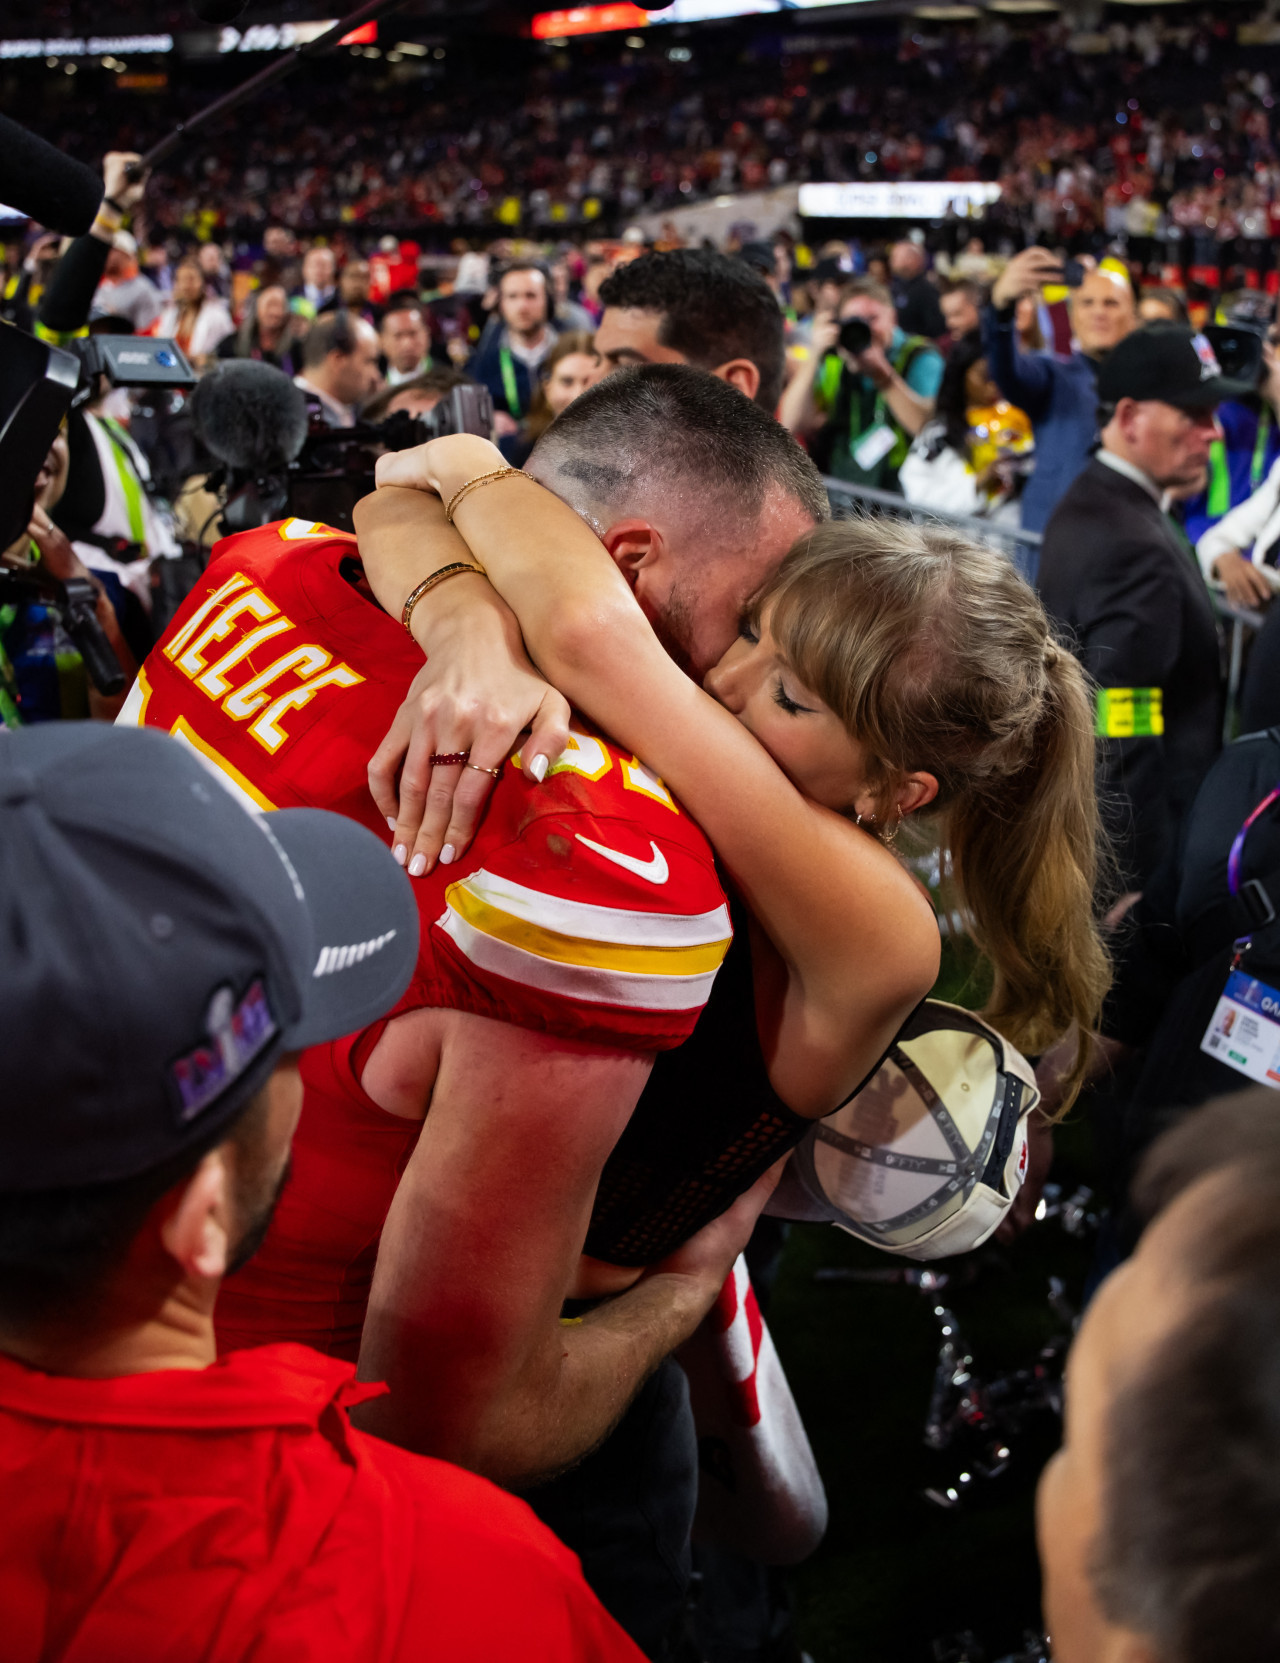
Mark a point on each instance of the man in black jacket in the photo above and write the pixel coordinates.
(1119, 576)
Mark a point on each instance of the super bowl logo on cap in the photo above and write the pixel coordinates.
(237, 1034)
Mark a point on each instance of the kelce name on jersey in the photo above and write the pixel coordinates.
(239, 612)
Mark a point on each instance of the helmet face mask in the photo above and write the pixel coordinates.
(926, 1159)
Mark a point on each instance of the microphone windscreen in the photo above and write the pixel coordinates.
(37, 179)
(250, 415)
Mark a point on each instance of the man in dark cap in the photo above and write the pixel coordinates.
(1123, 582)
(166, 955)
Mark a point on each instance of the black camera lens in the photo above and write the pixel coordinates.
(855, 335)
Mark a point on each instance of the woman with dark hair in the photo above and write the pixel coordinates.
(972, 458)
(269, 332)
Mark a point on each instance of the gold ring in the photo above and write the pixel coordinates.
(496, 772)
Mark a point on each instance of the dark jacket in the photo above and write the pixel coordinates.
(485, 366)
(1058, 393)
(1128, 594)
(918, 308)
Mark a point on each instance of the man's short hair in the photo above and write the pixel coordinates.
(1189, 1551)
(403, 300)
(438, 380)
(867, 286)
(331, 332)
(977, 292)
(643, 432)
(713, 309)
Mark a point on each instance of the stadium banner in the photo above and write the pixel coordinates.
(914, 199)
(267, 37)
(85, 46)
(750, 215)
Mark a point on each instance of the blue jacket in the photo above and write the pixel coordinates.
(1246, 461)
(1059, 395)
(485, 366)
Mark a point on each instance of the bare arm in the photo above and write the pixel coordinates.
(858, 946)
(481, 1243)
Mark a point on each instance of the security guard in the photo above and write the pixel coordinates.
(1122, 580)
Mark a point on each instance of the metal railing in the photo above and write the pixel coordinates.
(1022, 547)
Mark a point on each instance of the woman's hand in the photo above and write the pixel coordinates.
(478, 692)
(441, 465)
(1244, 583)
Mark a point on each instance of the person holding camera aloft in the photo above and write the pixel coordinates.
(865, 391)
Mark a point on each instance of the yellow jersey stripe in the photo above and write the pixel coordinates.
(596, 923)
(240, 785)
(571, 949)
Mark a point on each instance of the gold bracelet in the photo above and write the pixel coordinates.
(480, 479)
(454, 569)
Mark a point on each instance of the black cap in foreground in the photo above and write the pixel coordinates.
(160, 947)
(1167, 362)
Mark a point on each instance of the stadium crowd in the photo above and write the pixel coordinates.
(845, 538)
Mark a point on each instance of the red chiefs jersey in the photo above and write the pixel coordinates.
(587, 907)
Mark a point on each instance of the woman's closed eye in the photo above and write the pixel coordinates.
(784, 701)
(747, 630)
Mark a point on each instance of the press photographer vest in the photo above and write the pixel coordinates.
(857, 407)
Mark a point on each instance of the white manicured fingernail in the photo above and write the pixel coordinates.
(391, 822)
(401, 853)
(417, 866)
(447, 855)
(538, 768)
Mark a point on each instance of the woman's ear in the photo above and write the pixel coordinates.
(914, 792)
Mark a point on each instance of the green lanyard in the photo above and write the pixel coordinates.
(509, 386)
(10, 716)
(129, 482)
(1219, 497)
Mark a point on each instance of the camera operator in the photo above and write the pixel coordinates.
(865, 391)
(1058, 392)
(339, 368)
(232, 1509)
(42, 676)
(1240, 470)
(509, 358)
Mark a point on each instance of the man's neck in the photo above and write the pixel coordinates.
(176, 1334)
(1118, 462)
(528, 338)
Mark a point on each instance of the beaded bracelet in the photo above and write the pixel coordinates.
(454, 569)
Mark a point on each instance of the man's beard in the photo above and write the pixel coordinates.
(259, 1212)
(674, 629)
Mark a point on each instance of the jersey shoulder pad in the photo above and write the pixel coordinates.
(589, 905)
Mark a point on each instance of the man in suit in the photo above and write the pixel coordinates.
(1124, 583)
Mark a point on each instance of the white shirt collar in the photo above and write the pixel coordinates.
(343, 414)
(1129, 471)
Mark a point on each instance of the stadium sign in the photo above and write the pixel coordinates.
(90, 46)
(269, 37)
(914, 199)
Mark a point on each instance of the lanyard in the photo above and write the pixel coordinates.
(1243, 943)
(1260, 447)
(10, 716)
(129, 482)
(509, 385)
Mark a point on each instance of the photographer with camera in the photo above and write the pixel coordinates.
(865, 391)
(1058, 392)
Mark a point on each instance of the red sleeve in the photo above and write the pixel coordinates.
(589, 908)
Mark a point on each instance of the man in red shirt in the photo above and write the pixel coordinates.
(165, 958)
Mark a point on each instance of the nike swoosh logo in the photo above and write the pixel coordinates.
(652, 871)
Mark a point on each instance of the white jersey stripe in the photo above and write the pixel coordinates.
(572, 981)
(594, 923)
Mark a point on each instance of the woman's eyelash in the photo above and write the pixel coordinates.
(746, 629)
(784, 703)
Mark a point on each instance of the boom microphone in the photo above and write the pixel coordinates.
(250, 415)
(42, 183)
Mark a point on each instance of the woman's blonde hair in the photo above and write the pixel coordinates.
(938, 657)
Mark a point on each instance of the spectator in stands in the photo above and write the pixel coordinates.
(418, 396)
(270, 332)
(973, 456)
(510, 357)
(573, 366)
(197, 321)
(354, 282)
(914, 296)
(404, 339)
(1057, 392)
(824, 287)
(693, 306)
(961, 306)
(317, 290)
(339, 368)
(124, 292)
(280, 263)
(232, 1507)
(1115, 573)
(1163, 306)
(1157, 1518)
(860, 410)
(217, 273)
